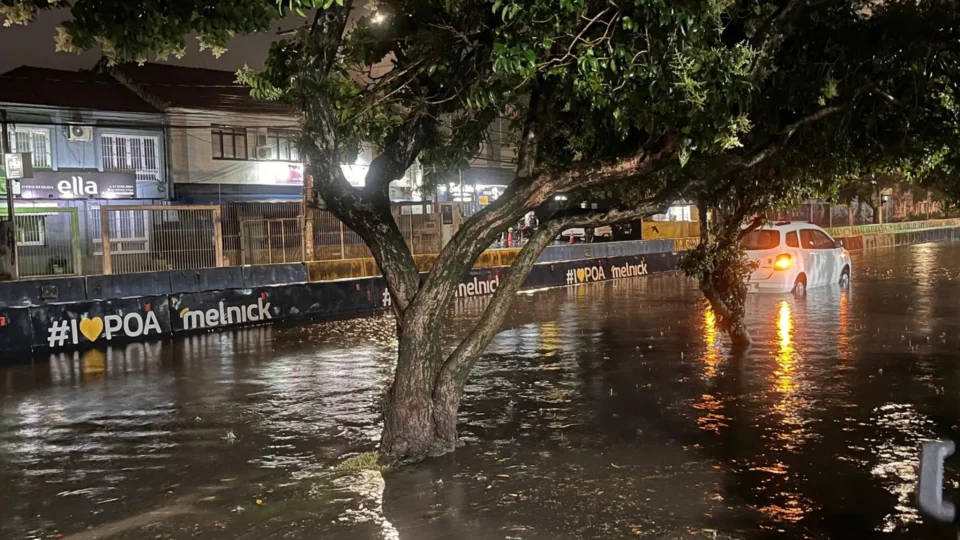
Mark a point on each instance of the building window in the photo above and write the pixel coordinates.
(229, 143)
(131, 153)
(35, 141)
(277, 145)
(30, 229)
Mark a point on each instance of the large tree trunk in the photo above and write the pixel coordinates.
(421, 407)
(411, 418)
(733, 318)
(420, 410)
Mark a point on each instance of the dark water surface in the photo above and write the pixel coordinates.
(610, 410)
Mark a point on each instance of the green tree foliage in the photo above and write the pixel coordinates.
(741, 104)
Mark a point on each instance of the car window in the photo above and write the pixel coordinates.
(823, 241)
(814, 239)
(792, 239)
(760, 240)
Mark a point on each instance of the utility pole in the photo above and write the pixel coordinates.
(5, 136)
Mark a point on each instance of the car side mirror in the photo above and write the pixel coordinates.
(838, 243)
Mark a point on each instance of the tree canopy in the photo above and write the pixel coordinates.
(739, 104)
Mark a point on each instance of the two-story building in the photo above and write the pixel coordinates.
(93, 142)
(225, 145)
(229, 149)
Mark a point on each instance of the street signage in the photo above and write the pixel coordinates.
(79, 185)
(18, 165)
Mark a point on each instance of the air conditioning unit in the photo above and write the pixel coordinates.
(79, 133)
(264, 152)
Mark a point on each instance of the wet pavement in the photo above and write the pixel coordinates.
(611, 410)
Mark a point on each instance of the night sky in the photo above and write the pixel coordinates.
(33, 45)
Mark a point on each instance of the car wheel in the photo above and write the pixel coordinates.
(800, 287)
(845, 277)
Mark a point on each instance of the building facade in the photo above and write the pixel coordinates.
(92, 143)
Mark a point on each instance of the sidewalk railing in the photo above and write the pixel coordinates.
(893, 227)
(143, 238)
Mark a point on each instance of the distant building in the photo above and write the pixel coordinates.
(225, 145)
(93, 142)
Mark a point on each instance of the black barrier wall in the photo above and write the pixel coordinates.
(67, 313)
(77, 324)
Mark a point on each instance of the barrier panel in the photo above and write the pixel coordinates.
(76, 324)
(852, 243)
(16, 332)
(273, 274)
(892, 227)
(334, 270)
(79, 324)
(40, 291)
(658, 230)
(227, 277)
(685, 244)
(604, 249)
(128, 285)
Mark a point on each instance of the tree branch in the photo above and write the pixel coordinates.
(755, 224)
(400, 151)
(773, 35)
(527, 148)
(522, 196)
(458, 365)
(329, 24)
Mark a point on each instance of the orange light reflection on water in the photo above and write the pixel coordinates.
(786, 360)
(711, 355)
(785, 502)
(844, 346)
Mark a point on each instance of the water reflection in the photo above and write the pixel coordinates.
(711, 353)
(844, 342)
(610, 410)
(787, 504)
(900, 428)
(786, 359)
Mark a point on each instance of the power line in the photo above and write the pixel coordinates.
(142, 125)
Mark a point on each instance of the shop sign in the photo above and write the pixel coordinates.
(79, 185)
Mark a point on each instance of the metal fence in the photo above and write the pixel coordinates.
(48, 241)
(332, 240)
(262, 232)
(70, 240)
(856, 213)
(420, 227)
(152, 238)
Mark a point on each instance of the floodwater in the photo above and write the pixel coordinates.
(611, 410)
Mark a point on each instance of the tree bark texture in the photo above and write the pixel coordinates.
(733, 318)
(422, 406)
(713, 283)
(420, 410)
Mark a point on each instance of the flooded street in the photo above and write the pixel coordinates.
(610, 410)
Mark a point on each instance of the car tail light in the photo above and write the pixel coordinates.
(783, 262)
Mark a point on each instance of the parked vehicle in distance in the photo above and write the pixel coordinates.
(579, 234)
(793, 257)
